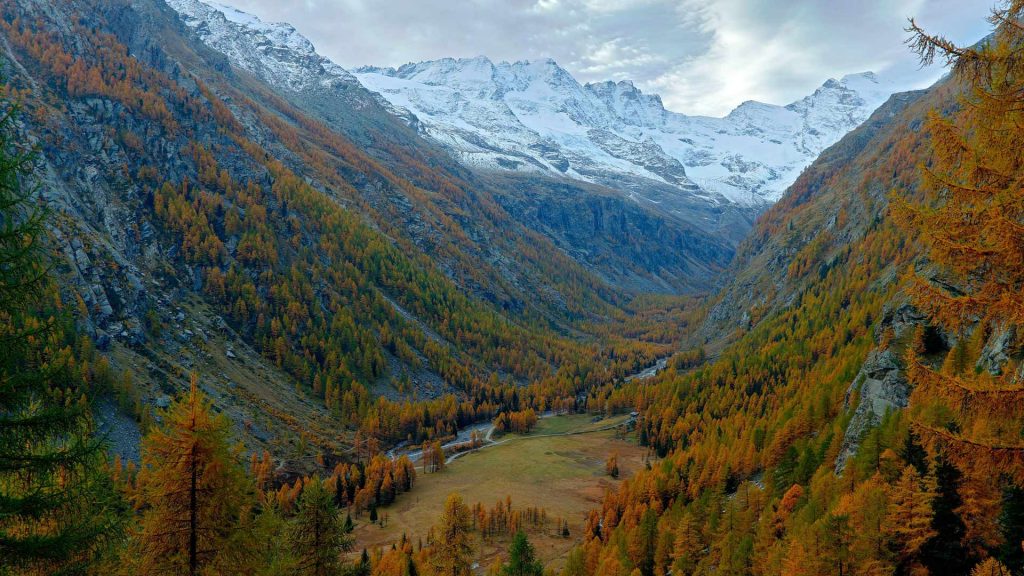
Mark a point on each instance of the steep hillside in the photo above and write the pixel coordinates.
(285, 60)
(210, 226)
(407, 188)
(830, 208)
(790, 452)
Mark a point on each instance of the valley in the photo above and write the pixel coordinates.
(559, 467)
(265, 314)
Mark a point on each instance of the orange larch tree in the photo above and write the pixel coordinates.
(192, 492)
(972, 225)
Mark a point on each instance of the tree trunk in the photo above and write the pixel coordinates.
(193, 538)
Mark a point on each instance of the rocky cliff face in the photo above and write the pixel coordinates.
(626, 244)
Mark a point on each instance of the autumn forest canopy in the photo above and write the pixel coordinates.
(275, 329)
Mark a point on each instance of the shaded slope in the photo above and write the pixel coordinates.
(491, 238)
(208, 225)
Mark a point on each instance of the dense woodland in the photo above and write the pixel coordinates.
(316, 290)
(748, 441)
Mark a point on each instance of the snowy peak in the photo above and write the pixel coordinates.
(483, 78)
(463, 72)
(852, 91)
(534, 116)
(278, 33)
(628, 104)
(275, 52)
(838, 106)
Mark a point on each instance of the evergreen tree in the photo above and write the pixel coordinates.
(945, 552)
(193, 492)
(1011, 521)
(55, 502)
(522, 559)
(349, 525)
(271, 554)
(363, 567)
(318, 534)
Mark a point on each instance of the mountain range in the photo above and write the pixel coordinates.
(560, 150)
(238, 135)
(534, 116)
(283, 299)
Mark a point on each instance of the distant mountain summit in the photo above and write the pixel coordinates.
(274, 52)
(534, 116)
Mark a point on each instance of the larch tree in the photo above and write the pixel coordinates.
(451, 552)
(318, 533)
(990, 567)
(193, 494)
(270, 554)
(909, 521)
(437, 456)
(972, 226)
(55, 501)
(611, 466)
(642, 544)
(575, 563)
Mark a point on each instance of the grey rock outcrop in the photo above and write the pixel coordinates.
(997, 350)
(882, 386)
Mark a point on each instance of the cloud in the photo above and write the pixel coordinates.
(703, 57)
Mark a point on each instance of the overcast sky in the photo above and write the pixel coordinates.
(702, 56)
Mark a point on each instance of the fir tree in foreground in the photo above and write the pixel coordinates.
(56, 503)
(522, 560)
(318, 532)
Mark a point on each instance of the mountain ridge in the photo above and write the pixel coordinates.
(535, 118)
(765, 145)
(702, 234)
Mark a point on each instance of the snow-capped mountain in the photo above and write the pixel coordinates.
(275, 52)
(534, 116)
